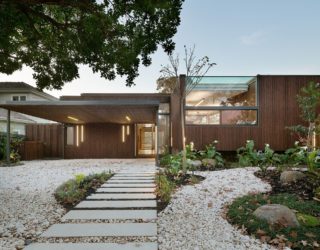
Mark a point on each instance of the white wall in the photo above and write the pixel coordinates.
(18, 128)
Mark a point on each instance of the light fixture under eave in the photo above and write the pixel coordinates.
(128, 118)
(82, 133)
(73, 118)
(123, 138)
(128, 130)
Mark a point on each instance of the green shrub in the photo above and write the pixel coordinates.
(296, 155)
(211, 153)
(247, 155)
(74, 190)
(15, 144)
(164, 187)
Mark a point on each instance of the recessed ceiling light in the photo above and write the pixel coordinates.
(73, 118)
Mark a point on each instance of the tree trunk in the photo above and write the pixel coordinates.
(184, 152)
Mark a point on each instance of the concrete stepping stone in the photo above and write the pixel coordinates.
(132, 185)
(101, 229)
(125, 190)
(134, 196)
(130, 181)
(110, 214)
(118, 204)
(132, 178)
(93, 246)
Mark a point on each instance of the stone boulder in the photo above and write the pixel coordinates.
(195, 164)
(291, 176)
(209, 163)
(277, 214)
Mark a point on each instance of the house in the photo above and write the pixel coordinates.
(227, 108)
(20, 92)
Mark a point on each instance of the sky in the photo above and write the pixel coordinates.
(243, 37)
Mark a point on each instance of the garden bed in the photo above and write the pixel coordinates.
(75, 190)
(304, 188)
(240, 213)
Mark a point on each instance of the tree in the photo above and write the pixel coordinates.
(54, 37)
(309, 104)
(195, 69)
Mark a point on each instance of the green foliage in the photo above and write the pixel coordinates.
(309, 102)
(79, 178)
(308, 220)
(15, 144)
(112, 37)
(211, 153)
(165, 187)
(74, 190)
(247, 155)
(296, 155)
(313, 161)
(241, 213)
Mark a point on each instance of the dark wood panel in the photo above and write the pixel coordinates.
(31, 150)
(50, 135)
(102, 140)
(278, 109)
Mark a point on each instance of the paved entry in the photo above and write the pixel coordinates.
(121, 215)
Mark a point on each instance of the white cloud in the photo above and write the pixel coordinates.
(253, 38)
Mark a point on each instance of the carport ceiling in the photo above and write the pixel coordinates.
(81, 112)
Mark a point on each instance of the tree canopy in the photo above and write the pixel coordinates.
(113, 37)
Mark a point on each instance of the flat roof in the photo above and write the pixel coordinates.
(122, 109)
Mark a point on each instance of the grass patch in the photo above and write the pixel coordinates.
(240, 213)
(74, 190)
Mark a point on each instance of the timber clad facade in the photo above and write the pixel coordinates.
(277, 109)
(228, 109)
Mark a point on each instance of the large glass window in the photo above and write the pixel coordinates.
(222, 101)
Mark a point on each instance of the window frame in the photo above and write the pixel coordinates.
(212, 108)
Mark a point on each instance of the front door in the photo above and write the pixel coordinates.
(145, 140)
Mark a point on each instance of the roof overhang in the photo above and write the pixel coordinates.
(121, 111)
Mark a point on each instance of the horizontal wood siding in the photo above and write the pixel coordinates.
(278, 109)
(50, 135)
(102, 140)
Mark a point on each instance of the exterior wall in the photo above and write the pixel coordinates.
(49, 135)
(278, 109)
(103, 140)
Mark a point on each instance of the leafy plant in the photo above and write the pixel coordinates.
(247, 155)
(296, 155)
(15, 144)
(211, 153)
(267, 158)
(164, 187)
(74, 190)
(313, 161)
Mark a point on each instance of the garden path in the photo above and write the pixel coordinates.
(122, 214)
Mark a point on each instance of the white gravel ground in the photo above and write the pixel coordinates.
(27, 206)
(194, 218)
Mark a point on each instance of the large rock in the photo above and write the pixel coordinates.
(195, 164)
(277, 214)
(291, 176)
(209, 163)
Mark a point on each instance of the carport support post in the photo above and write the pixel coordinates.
(8, 137)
